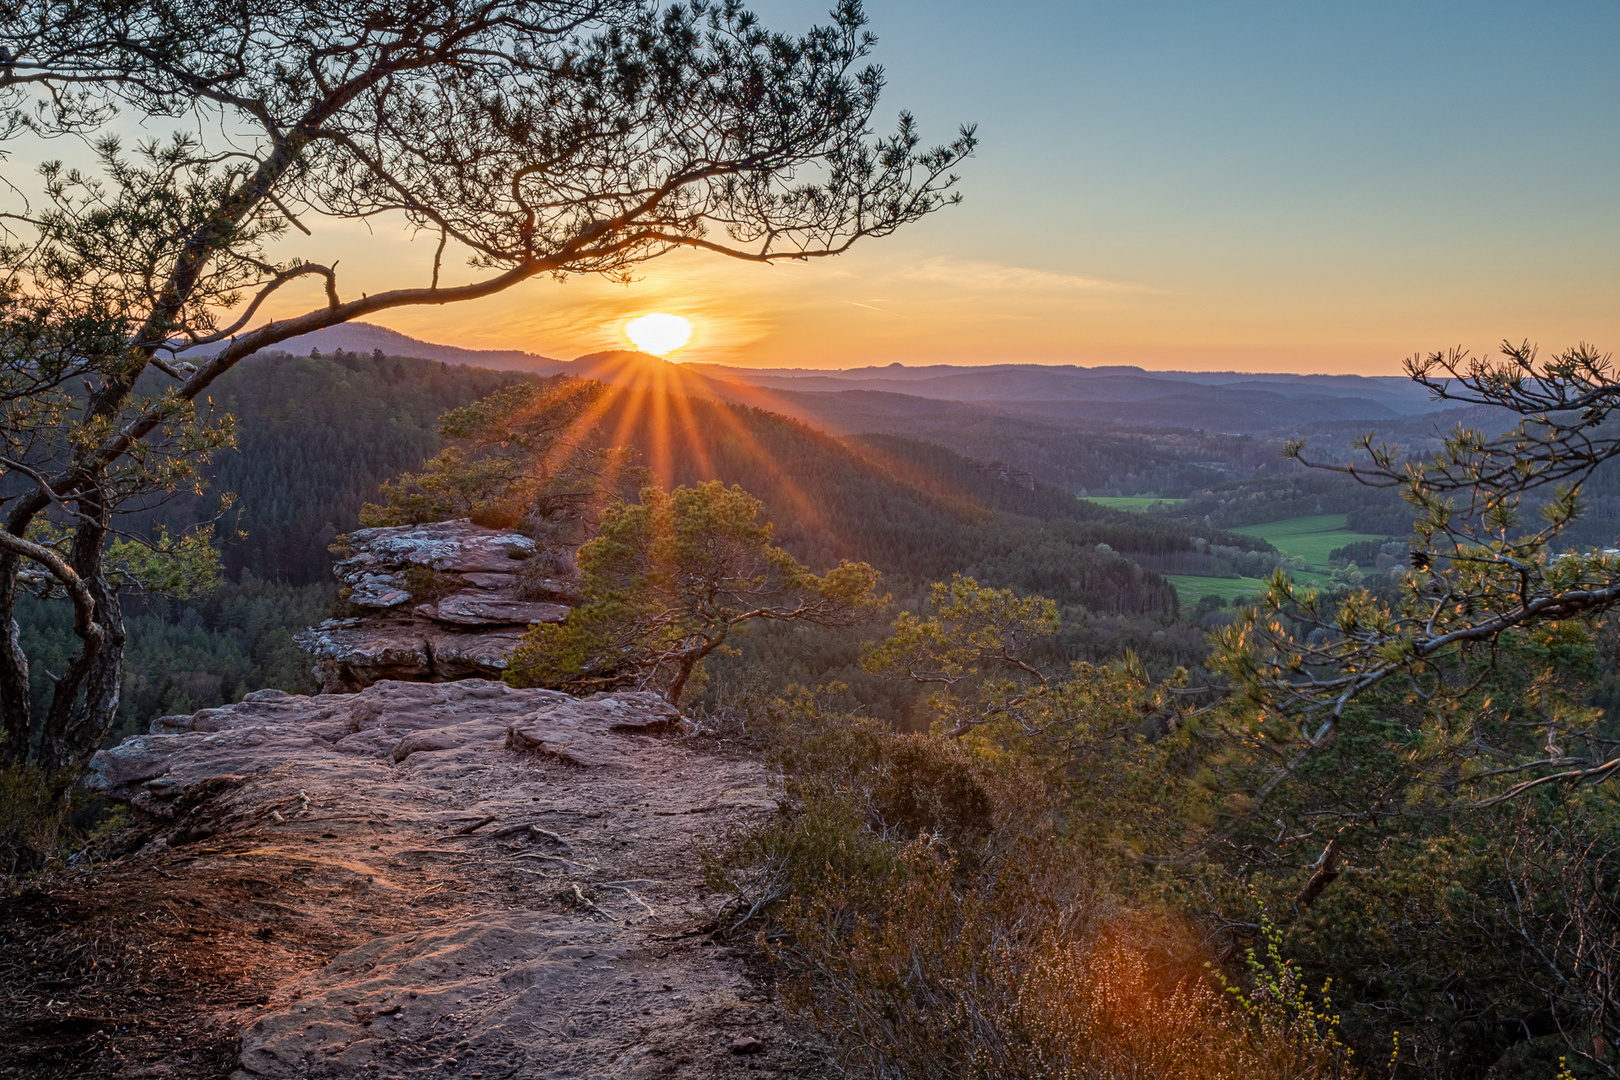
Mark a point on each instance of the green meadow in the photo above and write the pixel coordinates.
(1190, 589)
(1310, 537)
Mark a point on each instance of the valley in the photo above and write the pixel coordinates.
(917, 485)
(1313, 539)
(1143, 539)
(545, 540)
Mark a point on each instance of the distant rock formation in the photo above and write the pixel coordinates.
(441, 602)
(1007, 474)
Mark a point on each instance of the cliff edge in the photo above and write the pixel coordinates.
(417, 880)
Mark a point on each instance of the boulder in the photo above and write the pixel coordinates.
(461, 656)
(453, 546)
(490, 581)
(378, 591)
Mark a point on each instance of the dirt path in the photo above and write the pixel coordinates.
(453, 880)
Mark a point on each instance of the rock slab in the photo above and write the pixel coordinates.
(526, 862)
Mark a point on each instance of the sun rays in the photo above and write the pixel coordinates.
(691, 426)
(677, 417)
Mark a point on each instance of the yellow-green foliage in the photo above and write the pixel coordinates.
(668, 580)
(972, 628)
(525, 454)
(972, 648)
(183, 567)
(934, 920)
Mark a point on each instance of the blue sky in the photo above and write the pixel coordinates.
(1233, 186)
(1343, 184)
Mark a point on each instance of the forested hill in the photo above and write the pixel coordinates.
(317, 435)
(916, 511)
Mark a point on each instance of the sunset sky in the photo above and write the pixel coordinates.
(1281, 186)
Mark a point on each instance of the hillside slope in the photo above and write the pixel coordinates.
(317, 436)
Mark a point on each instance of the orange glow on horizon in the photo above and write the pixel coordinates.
(883, 305)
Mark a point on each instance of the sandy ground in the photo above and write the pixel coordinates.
(451, 880)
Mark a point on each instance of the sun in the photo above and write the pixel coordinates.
(659, 334)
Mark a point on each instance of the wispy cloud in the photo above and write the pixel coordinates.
(873, 307)
(999, 277)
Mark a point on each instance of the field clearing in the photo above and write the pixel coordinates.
(1189, 588)
(1129, 502)
(1310, 537)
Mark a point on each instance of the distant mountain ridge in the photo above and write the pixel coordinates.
(362, 337)
(1229, 401)
(1043, 383)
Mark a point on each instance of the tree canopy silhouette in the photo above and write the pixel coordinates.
(529, 137)
(668, 581)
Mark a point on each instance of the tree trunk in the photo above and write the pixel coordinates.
(15, 728)
(688, 663)
(678, 684)
(1327, 872)
(70, 738)
(85, 700)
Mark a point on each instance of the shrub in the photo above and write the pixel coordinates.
(31, 816)
(1132, 1002)
(933, 920)
(427, 585)
(1034, 972)
(932, 788)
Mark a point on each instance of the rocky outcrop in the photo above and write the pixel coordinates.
(1007, 474)
(483, 882)
(440, 602)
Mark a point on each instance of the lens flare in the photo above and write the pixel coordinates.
(659, 334)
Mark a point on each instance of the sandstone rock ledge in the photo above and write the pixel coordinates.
(514, 868)
(481, 605)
